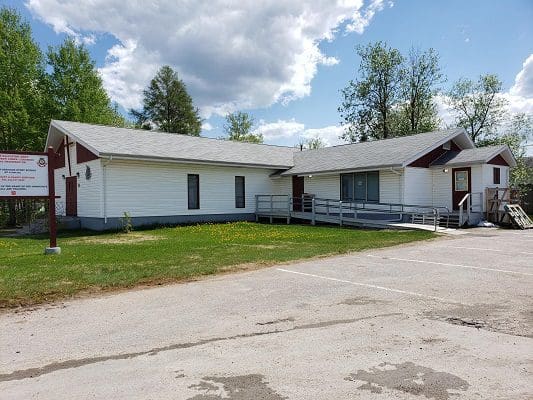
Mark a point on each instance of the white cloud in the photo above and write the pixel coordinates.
(206, 126)
(361, 19)
(291, 132)
(237, 54)
(523, 84)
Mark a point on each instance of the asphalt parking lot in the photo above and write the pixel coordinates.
(446, 319)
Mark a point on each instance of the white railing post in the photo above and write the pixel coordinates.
(313, 216)
(289, 198)
(340, 213)
(256, 203)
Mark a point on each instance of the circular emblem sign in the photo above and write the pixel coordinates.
(42, 162)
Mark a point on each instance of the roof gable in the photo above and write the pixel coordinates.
(478, 155)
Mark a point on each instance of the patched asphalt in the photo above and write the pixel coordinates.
(446, 319)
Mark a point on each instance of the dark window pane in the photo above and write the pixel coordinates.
(347, 187)
(240, 195)
(360, 186)
(496, 175)
(372, 186)
(193, 190)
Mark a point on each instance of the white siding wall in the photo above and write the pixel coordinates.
(442, 188)
(281, 185)
(481, 178)
(89, 190)
(323, 186)
(390, 187)
(488, 178)
(160, 189)
(418, 184)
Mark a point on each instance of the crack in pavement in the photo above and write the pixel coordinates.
(76, 363)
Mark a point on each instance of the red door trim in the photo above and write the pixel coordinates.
(458, 196)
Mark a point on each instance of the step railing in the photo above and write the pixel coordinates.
(468, 199)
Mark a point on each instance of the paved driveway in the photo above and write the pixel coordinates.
(447, 319)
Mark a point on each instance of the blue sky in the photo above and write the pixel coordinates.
(285, 63)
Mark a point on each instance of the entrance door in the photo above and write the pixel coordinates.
(461, 185)
(297, 192)
(72, 196)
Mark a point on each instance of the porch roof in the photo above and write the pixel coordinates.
(478, 155)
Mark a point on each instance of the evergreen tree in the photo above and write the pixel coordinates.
(167, 106)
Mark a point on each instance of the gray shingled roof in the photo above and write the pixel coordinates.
(477, 155)
(385, 153)
(135, 143)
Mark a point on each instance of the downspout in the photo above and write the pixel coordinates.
(104, 179)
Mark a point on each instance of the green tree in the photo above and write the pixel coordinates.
(239, 126)
(515, 132)
(477, 105)
(75, 89)
(367, 106)
(313, 143)
(167, 106)
(420, 75)
(22, 124)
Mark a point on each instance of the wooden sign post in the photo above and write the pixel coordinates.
(52, 225)
(30, 175)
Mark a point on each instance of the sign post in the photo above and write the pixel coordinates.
(52, 249)
(31, 175)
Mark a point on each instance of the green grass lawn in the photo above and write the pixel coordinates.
(93, 262)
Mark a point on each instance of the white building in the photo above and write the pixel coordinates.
(158, 178)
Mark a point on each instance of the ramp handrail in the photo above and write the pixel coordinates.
(283, 205)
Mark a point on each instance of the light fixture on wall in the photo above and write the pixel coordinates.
(78, 174)
(310, 176)
(445, 170)
(63, 176)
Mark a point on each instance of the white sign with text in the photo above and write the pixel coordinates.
(23, 175)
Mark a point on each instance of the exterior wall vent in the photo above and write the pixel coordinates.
(447, 146)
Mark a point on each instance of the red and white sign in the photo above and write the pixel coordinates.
(23, 175)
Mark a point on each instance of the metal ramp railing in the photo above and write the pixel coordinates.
(340, 212)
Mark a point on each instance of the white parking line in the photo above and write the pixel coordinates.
(368, 285)
(511, 252)
(505, 271)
